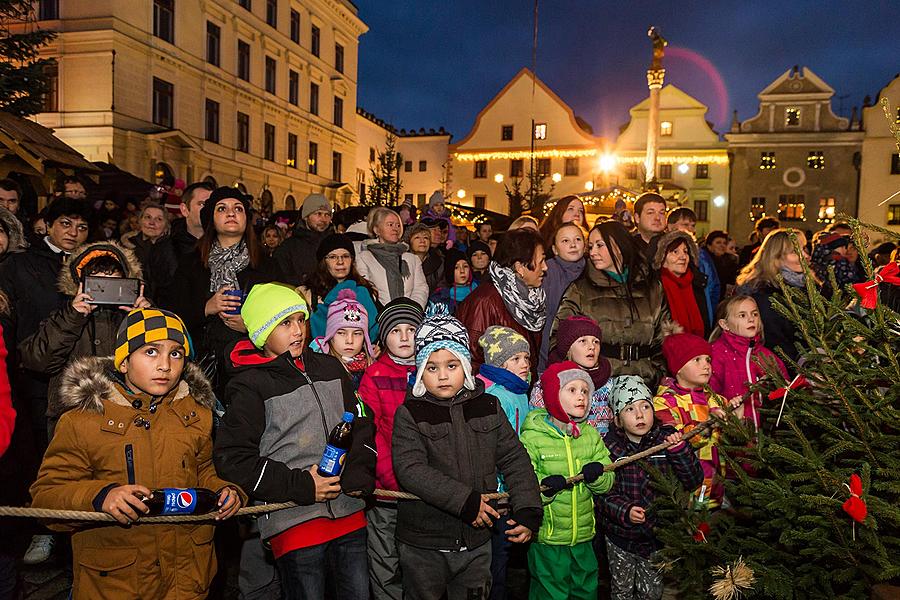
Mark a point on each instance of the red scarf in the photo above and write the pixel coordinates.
(682, 302)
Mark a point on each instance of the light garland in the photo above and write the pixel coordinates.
(690, 159)
(522, 154)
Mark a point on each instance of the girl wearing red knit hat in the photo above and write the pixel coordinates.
(684, 401)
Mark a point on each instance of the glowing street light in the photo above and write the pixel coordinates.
(719, 201)
(607, 162)
(461, 194)
(556, 178)
(589, 186)
(683, 168)
(498, 177)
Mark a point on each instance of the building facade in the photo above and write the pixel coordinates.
(692, 161)
(879, 200)
(425, 165)
(497, 150)
(795, 160)
(260, 94)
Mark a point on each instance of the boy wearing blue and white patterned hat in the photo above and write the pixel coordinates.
(450, 440)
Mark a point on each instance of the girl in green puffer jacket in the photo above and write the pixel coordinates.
(562, 561)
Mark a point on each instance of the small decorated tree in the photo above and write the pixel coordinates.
(23, 74)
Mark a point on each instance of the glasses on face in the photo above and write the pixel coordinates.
(338, 257)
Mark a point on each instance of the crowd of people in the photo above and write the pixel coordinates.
(471, 361)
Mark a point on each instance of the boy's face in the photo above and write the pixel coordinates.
(585, 352)
(574, 397)
(347, 341)
(461, 273)
(636, 419)
(696, 372)
(288, 336)
(444, 375)
(400, 341)
(519, 364)
(155, 368)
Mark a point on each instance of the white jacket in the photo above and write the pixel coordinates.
(414, 287)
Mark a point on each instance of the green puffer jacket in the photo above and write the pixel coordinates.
(569, 515)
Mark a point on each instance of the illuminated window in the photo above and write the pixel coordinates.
(506, 133)
(791, 207)
(894, 214)
(897, 120)
(480, 169)
(701, 209)
(292, 150)
(540, 131)
(515, 167)
(571, 168)
(815, 160)
(702, 171)
(826, 210)
(757, 207)
(792, 117)
(665, 171)
(766, 160)
(665, 128)
(543, 167)
(313, 160)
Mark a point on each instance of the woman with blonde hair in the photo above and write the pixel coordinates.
(776, 256)
(387, 262)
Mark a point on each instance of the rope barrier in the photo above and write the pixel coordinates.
(84, 515)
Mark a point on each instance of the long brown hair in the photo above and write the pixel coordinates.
(249, 238)
(765, 266)
(554, 219)
(321, 282)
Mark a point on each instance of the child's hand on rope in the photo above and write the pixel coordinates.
(327, 488)
(229, 503)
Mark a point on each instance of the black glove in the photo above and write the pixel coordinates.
(592, 472)
(554, 484)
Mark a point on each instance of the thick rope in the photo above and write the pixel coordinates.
(84, 515)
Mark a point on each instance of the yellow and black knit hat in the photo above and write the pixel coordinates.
(147, 325)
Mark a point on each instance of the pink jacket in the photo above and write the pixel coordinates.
(383, 389)
(736, 364)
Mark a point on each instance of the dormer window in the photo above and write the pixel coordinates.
(792, 117)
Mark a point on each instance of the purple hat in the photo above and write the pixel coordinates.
(346, 312)
(568, 332)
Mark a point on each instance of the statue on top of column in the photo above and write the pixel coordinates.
(659, 48)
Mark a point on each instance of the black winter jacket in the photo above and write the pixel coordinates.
(296, 256)
(448, 453)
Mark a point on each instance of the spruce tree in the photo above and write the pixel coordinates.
(23, 80)
(386, 185)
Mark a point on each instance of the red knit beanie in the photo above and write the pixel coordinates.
(557, 376)
(569, 331)
(679, 348)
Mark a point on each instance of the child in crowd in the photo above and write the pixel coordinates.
(135, 422)
(627, 520)
(284, 402)
(450, 440)
(383, 389)
(347, 335)
(479, 255)
(684, 402)
(506, 373)
(458, 276)
(566, 265)
(562, 562)
(739, 357)
(578, 339)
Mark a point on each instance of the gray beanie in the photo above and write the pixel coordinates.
(626, 389)
(570, 375)
(313, 203)
(436, 198)
(501, 343)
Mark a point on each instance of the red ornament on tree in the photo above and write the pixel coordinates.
(855, 506)
(702, 531)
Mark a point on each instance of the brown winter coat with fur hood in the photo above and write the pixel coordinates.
(99, 444)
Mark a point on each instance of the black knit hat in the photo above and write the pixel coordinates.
(223, 193)
(333, 242)
(451, 258)
(397, 312)
(475, 246)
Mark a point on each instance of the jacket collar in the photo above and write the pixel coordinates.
(739, 342)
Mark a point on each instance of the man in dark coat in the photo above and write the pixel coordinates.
(188, 230)
(296, 256)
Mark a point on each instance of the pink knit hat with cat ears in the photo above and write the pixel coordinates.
(346, 312)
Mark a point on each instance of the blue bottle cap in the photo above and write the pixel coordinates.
(348, 417)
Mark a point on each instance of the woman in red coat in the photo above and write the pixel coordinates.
(510, 295)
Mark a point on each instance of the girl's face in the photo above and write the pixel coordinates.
(636, 419)
(574, 212)
(569, 244)
(791, 260)
(696, 372)
(480, 260)
(400, 340)
(743, 319)
(390, 229)
(462, 273)
(574, 398)
(229, 217)
(677, 260)
(599, 252)
(339, 262)
(731, 247)
(420, 243)
(347, 341)
(518, 364)
(271, 238)
(585, 352)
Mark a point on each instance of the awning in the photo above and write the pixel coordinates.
(38, 147)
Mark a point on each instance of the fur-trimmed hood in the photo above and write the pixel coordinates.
(13, 228)
(664, 241)
(88, 382)
(69, 275)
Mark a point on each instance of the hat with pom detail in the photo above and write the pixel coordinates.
(440, 331)
(346, 313)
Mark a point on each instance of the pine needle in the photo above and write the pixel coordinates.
(733, 580)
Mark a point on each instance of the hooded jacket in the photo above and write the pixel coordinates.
(68, 334)
(633, 486)
(276, 427)
(296, 256)
(569, 515)
(14, 231)
(448, 453)
(100, 443)
(700, 282)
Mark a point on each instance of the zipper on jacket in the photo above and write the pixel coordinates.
(324, 422)
(129, 463)
(571, 460)
(750, 382)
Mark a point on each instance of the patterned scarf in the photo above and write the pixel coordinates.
(355, 364)
(390, 257)
(528, 306)
(225, 264)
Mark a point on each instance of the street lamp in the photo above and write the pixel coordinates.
(589, 186)
(683, 168)
(556, 178)
(719, 201)
(461, 194)
(607, 162)
(498, 177)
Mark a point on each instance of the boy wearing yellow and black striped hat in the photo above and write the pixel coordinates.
(136, 422)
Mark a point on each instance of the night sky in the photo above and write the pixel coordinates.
(427, 63)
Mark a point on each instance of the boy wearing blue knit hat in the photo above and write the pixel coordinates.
(450, 441)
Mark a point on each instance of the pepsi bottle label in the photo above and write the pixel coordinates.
(332, 461)
(179, 502)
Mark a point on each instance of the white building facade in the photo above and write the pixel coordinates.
(879, 184)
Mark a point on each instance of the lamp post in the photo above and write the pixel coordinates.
(655, 76)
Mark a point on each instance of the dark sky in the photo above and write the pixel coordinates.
(427, 63)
